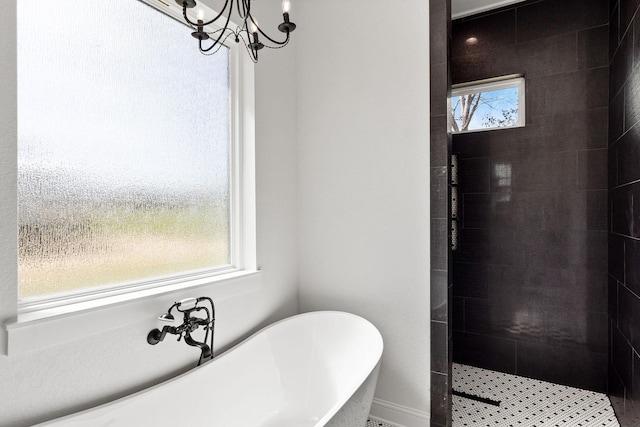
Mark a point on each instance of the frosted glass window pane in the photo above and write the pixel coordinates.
(123, 147)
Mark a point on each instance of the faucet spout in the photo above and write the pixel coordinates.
(205, 350)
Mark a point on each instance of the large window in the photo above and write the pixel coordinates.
(125, 149)
(488, 104)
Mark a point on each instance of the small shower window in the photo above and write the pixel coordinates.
(488, 104)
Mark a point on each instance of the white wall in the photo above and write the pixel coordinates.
(71, 376)
(363, 161)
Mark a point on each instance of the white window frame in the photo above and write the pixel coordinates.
(488, 85)
(57, 319)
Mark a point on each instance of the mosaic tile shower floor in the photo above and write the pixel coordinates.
(372, 422)
(525, 402)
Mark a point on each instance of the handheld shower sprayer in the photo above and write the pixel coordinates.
(191, 322)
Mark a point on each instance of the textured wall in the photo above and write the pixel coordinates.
(441, 342)
(530, 283)
(624, 195)
(363, 150)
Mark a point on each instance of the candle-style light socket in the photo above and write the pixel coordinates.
(189, 4)
(200, 34)
(286, 26)
(257, 44)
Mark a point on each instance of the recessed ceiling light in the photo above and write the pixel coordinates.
(471, 41)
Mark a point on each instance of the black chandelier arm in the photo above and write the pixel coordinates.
(219, 42)
(207, 51)
(282, 43)
(253, 53)
(224, 8)
(246, 8)
(226, 26)
(239, 37)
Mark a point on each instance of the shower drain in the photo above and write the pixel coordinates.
(476, 398)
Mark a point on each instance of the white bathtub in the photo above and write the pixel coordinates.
(314, 369)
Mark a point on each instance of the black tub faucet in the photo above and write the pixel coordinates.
(192, 310)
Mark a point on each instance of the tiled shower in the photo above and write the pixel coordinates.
(530, 274)
(547, 275)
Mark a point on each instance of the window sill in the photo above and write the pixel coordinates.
(42, 328)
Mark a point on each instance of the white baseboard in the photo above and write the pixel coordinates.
(398, 415)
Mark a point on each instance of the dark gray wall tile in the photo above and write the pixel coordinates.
(475, 175)
(438, 34)
(632, 267)
(574, 210)
(629, 317)
(471, 280)
(621, 353)
(614, 30)
(439, 87)
(628, 156)
(597, 204)
(439, 143)
(548, 18)
(593, 47)
(493, 31)
(635, 380)
(612, 299)
(622, 202)
(636, 40)
(628, 9)
(592, 170)
(549, 55)
(584, 89)
(439, 296)
(616, 117)
(485, 351)
(631, 104)
(616, 257)
(493, 63)
(472, 145)
(621, 64)
(531, 272)
(591, 289)
(575, 366)
(439, 350)
(439, 244)
(440, 399)
(545, 171)
(439, 192)
(458, 314)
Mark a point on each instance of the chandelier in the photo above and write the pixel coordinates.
(249, 32)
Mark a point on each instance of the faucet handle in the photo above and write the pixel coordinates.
(187, 304)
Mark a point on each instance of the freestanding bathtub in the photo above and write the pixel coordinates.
(314, 369)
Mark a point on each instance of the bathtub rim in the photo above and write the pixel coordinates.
(321, 422)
